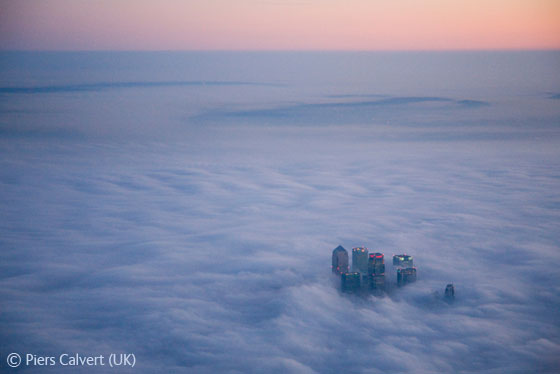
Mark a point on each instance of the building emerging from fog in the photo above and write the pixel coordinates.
(368, 272)
(449, 292)
(406, 276)
(339, 260)
(350, 282)
(403, 261)
(406, 272)
(376, 271)
(360, 260)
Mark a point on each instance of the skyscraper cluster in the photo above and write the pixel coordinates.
(368, 270)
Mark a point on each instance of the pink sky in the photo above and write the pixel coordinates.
(279, 24)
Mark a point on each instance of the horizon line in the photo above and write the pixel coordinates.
(248, 50)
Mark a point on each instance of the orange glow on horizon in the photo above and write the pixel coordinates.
(279, 25)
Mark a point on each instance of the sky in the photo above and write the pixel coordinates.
(279, 25)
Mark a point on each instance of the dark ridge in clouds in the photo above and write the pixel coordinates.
(118, 85)
(473, 103)
(352, 96)
(39, 132)
(342, 112)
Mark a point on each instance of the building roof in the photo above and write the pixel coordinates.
(339, 248)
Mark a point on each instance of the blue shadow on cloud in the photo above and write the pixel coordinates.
(341, 112)
(83, 87)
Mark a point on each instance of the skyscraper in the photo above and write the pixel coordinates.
(350, 282)
(376, 272)
(450, 292)
(360, 260)
(404, 261)
(406, 276)
(339, 260)
(365, 282)
(376, 264)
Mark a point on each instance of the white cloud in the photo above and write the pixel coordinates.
(210, 251)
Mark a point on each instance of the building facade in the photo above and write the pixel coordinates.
(406, 276)
(450, 292)
(376, 272)
(350, 282)
(403, 261)
(339, 260)
(360, 260)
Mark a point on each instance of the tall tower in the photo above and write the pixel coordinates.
(406, 276)
(450, 292)
(360, 260)
(339, 260)
(350, 282)
(376, 272)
